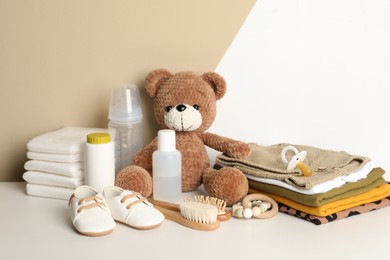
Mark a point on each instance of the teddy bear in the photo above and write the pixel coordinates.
(186, 103)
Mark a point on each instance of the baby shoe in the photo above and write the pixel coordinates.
(90, 214)
(131, 208)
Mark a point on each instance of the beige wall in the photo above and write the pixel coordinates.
(60, 59)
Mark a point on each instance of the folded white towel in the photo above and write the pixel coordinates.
(55, 157)
(49, 191)
(67, 140)
(67, 169)
(37, 177)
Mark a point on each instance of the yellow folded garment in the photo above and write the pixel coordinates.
(375, 194)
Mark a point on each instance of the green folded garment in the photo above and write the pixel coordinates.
(350, 189)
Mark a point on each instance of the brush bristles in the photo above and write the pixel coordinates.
(218, 203)
(199, 212)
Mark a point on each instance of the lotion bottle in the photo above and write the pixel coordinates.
(167, 168)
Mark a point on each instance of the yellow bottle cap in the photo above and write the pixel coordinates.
(98, 138)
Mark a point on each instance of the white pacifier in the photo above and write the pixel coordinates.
(296, 161)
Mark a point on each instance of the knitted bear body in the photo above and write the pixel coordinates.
(186, 103)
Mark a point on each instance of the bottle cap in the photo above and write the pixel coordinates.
(98, 138)
(166, 140)
(125, 105)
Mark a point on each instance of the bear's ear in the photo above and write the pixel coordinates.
(155, 79)
(217, 82)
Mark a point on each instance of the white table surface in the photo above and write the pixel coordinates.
(40, 228)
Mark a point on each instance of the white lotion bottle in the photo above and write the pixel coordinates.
(167, 168)
(99, 161)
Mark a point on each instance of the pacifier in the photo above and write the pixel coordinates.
(296, 161)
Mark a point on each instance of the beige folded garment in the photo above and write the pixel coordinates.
(37, 177)
(67, 169)
(49, 191)
(265, 162)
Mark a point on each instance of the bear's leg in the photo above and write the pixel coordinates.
(136, 179)
(228, 183)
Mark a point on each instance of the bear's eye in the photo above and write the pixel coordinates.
(168, 108)
(196, 107)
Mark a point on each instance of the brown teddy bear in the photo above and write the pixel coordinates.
(186, 103)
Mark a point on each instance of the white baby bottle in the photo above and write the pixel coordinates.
(167, 168)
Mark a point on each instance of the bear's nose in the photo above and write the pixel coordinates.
(181, 108)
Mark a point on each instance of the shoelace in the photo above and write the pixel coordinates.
(97, 203)
(133, 195)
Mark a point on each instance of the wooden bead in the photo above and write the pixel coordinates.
(256, 211)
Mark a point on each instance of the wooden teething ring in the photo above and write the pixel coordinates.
(246, 203)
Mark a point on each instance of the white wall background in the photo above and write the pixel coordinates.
(311, 72)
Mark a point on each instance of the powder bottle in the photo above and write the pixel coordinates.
(99, 161)
(167, 168)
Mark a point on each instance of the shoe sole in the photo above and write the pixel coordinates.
(140, 227)
(97, 234)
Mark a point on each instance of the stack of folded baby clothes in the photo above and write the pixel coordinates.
(341, 184)
(56, 162)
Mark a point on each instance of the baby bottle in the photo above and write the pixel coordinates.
(125, 124)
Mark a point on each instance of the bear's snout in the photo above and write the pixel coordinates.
(183, 117)
(181, 107)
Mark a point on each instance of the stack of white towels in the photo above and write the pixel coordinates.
(56, 162)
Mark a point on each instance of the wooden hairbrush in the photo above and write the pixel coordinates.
(195, 215)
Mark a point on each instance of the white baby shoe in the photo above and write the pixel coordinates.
(90, 214)
(131, 208)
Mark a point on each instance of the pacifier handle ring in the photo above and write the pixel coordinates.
(284, 151)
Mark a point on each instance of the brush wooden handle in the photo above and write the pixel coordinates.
(225, 216)
(165, 204)
(175, 207)
(178, 218)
